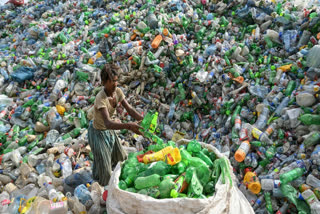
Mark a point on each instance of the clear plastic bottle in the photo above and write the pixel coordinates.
(5, 201)
(82, 193)
(262, 119)
(313, 181)
(269, 184)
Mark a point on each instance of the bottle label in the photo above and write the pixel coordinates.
(237, 121)
(256, 133)
(301, 164)
(245, 146)
(243, 134)
(269, 130)
(5, 202)
(56, 205)
(276, 184)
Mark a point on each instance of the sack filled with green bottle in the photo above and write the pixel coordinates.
(199, 181)
(194, 176)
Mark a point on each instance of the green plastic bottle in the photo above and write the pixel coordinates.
(174, 193)
(235, 113)
(200, 33)
(154, 122)
(310, 119)
(267, 198)
(202, 168)
(165, 188)
(205, 158)
(83, 119)
(209, 188)
(160, 168)
(195, 188)
(312, 140)
(258, 143)
(194, 146)
(290, 87)
(23, 141)
(271, 151)
(122, 185)
(145, 182)
(291, 175)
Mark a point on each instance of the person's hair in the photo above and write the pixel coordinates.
(108, 72)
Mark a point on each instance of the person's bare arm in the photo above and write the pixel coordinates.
(131, 111)
(110, 124)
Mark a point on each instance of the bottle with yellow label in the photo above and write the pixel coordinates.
(259, 135)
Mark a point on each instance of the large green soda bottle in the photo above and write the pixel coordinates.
(310, 119)
(291, 175)
(145, 182)
(182, 94)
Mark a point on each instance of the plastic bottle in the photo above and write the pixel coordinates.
(145, 182)
(66, 168)
(242, 151)
(5, 201)
(52, 193)
(269, 184)
(169, 154)
(252, 181)
(312, 200)
(291, 175)
(82, 193)
(313, 181)
(262, 119)
(312, 139)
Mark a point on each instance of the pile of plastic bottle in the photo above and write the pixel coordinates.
(240, 75)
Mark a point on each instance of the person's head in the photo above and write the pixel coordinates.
(109, 77)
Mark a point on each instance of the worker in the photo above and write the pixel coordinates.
(103, 140)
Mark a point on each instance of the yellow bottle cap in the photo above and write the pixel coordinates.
(254, 187)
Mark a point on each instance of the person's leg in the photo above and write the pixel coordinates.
(101, 145)
(118, 153)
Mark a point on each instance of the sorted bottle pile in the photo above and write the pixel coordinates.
(173, 172)
(240, 75)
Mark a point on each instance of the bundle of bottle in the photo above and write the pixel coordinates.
(166, 171)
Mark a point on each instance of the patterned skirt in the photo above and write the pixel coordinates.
(107, 151)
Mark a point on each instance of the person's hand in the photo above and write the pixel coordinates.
(135, 128)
